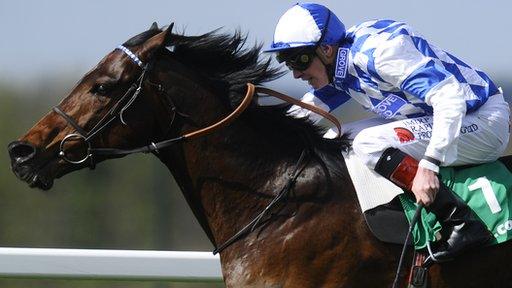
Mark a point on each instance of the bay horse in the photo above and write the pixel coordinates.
(161, 85)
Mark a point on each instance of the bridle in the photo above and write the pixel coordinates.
(129, 97)
(117, 111)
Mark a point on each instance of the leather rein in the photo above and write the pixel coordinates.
(129, 97)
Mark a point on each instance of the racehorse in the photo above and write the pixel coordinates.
(159, 86)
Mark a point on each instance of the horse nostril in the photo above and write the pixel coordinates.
(21, 151)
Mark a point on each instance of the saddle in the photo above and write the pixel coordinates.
(388, 222)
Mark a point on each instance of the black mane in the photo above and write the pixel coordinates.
(224, 60)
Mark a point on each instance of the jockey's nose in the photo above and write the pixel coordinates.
(21, 152)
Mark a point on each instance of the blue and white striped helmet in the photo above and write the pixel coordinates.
(307, 24)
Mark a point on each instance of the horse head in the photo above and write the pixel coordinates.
(97, 113)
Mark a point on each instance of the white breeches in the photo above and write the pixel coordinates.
(483, 136)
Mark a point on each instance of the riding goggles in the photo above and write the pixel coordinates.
(297, 60)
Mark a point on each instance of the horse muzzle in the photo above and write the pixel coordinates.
(23, 155)
(21, 152)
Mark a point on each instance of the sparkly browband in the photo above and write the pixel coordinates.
(131, 55)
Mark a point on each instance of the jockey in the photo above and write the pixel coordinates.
(435, 110)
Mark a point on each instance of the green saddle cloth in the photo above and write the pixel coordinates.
(483, 187)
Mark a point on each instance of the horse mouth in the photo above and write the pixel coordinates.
(34, 178)
(38, 181)
(42, 171)
(40, 168)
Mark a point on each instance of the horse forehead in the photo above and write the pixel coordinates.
(112, 65)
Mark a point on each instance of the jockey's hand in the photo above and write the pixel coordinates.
(425, 186)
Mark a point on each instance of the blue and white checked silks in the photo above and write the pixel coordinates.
(388, 59)
(393, 71)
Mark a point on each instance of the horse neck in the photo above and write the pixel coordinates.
(229, 176)
(225, 186)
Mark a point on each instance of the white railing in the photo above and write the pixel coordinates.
(109, 264)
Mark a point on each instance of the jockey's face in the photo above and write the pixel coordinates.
(315, 74)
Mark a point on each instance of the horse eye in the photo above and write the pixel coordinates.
(101, 89)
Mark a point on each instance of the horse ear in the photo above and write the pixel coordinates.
(168, 34)
(155, 43)
(154, 26)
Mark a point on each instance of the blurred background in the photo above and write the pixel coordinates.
(133, 203)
